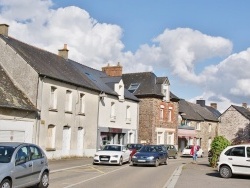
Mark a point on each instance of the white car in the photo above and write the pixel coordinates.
(234, 160)
(186, 151)
(112, 154)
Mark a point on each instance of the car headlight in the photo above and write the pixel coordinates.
(116, 156)
(134, 157)
(96, 155)
(151, 158)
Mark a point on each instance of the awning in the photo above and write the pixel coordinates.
(186, 133)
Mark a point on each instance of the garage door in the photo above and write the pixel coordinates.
(12, 136)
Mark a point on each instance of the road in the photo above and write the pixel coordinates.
(86, 175)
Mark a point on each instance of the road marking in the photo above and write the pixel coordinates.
(97, 170)
(62, 169)
(174, 178)
(72, 185)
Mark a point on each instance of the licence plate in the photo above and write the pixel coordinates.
(104, 159)
(142, 161)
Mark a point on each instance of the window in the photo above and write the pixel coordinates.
(209, 128)
(22, 154)
(112, 114)
(51, 137)
(53, 98)
(198, 126)
(133, 87)
(68, 103)
(165, 92)
(128, 113)
(236, 151)
(82, 104)
(161, 112)
(35, 153)
(170, 114)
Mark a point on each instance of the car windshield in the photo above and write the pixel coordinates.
(188, 147)
(6, 153)
(134, 146)
(150, 149)
(112, 148)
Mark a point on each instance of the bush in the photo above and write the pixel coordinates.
(218, 144)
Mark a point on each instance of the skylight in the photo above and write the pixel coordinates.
(133, 87)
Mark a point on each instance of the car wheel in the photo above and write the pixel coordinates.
(44, 181)
(175, 157)
(157, 162)
(120, 161)
(134, 164)
(166, 161)
(6, 184)
(225, 172)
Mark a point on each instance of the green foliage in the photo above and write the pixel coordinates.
(218, 144)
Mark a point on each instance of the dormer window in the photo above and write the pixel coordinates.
(165, 92)
(133, 87)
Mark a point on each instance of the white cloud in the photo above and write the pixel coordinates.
(96, 44)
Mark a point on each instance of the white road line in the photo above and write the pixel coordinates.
(62, 169)
(72, 185)
(174, 178)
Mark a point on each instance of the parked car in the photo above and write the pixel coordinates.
(172, 151)
(186, 151)
(134, 148)
(234, 160)
(112, 154)
(23, 165)
(151, 155)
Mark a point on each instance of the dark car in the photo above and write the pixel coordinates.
(151, 155)
(23, 165)
(172, 151)
(134, 148)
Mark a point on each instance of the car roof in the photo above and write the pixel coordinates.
(12, 144)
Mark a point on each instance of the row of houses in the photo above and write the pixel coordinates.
(70, 109)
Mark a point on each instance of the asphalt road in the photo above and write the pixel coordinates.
(81, 173)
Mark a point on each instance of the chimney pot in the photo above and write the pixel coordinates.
(214, 105)
(4, 28)
(113, 70)
(63, 52)
(244, 105)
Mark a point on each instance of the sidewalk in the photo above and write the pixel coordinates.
(202, 175)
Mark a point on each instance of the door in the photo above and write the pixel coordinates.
(126, 153)
(239, 159)
(22, 171)
(66, 140)
(38, 161)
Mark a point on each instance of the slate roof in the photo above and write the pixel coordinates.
(150, 84)
(195, 112)
(11, 96)
(245, 112)
(56, 67)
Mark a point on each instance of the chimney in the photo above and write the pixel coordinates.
(113, 70)
(214, 105)
(201, 102)
(63, 52)
(244, 105)
(4, 29)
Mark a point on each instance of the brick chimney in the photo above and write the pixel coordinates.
(244, 105)
(4, 28)
(201, 102)
(63, 52)
(113, 70)
(214, 105)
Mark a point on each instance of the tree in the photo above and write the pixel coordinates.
(218, 144)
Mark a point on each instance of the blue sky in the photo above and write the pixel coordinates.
(201, 46)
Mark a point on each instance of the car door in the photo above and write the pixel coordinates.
(239, 159)
(126, 153)
(162, 153)
(37, 159)
(23, 168)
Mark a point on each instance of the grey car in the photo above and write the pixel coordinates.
(23, 165)
(172, 151)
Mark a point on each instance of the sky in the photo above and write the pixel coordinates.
(202, 46)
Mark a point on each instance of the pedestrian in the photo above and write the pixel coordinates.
(193, 152)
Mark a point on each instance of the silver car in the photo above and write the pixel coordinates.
(23, 165)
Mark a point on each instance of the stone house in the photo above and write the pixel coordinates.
(75, 104)
(198, 123)
(235, 124)
(158, 113)
(17, 114)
